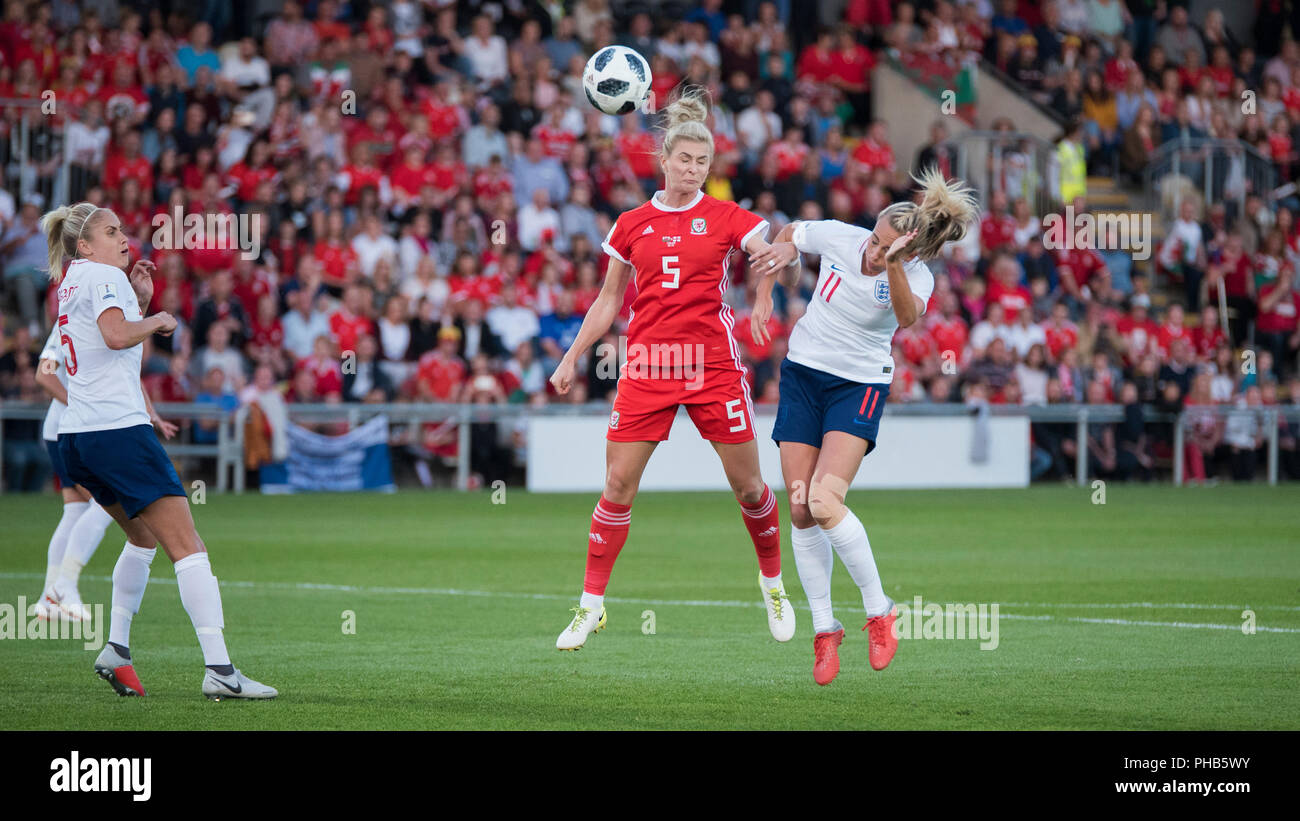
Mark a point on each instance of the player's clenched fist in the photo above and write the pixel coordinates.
(166, 323)
(562, 379)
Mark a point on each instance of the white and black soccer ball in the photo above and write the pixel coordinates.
(617, 80)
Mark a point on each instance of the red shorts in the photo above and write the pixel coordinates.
(719, 405)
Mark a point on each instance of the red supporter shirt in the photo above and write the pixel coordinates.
(334, 261)
(1117, 72)
(789, 158)
(360, 177)
(555, 140)
(874, 155)
(383, 144)
(410, 179)
(639, 150)
(1237, 275)
(997, 232)
(950, 335)
(681, 259)
(1138, 335)
(853, 67)
(1291, 99)
(203, 262)
(329, 376)
(118, 168)
(442, 377)
(815, 65)
(1282, 319)
(1012, 299)
(489, 184)
(485, 289)
(120, 102)
(1081, 263)
(917, 344)
(270, 335)
(249, 178)
(1207, 343)
(1061, 339)
(1167, 334)
(346, 330)
(444, 120)
(449, 177)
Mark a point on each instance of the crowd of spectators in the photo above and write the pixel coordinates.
(431, 192)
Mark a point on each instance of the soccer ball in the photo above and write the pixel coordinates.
(617, 80)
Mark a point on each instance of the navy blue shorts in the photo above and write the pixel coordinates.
(56, 460)
(126, 465)
(814, 402)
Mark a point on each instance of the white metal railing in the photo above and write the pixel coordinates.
(32, 141)
(984, 160)
(1219, 169)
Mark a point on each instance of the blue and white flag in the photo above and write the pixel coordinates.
(357, 460)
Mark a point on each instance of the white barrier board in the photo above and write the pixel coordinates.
(568, 454)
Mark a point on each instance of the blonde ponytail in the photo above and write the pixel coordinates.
(946, 210)
(63, 227)
(685, 119)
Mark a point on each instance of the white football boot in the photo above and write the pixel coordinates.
(41, 609)
(583, 625)
(67, 603)
(237, 685)
(780, 612)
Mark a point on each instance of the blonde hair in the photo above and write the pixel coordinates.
(946, 210)
(64, 227)
(685, 117)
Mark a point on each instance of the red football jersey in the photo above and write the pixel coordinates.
(950, 335)
(1059, 339)
(681, 261)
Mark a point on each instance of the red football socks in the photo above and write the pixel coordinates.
(609, 526)
(763, 521)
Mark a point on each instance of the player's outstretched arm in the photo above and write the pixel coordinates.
(774, 262)
(778, 259)
(907, 305)
(120, 333)
(596, 323)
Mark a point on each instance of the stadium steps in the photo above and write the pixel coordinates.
(1105, 195)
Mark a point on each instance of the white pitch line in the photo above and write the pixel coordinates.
(1152, 605)
(1182, 624)
(491, 594)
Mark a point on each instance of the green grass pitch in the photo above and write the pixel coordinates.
(457, 602)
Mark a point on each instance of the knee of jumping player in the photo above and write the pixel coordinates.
(825, 505)
(749, 491)
(801, 517)
(620, 488)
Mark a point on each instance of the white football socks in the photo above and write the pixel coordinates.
(72, 511)
(84, 539)
(815, 560)
(768, 584)
(130, 577)
(849, 538)
(201, 598)
(592, 602)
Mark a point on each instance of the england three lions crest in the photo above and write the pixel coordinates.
(882, 292)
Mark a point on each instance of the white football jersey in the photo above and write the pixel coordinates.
(103, 384)
(52, 352)
(849, 327)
